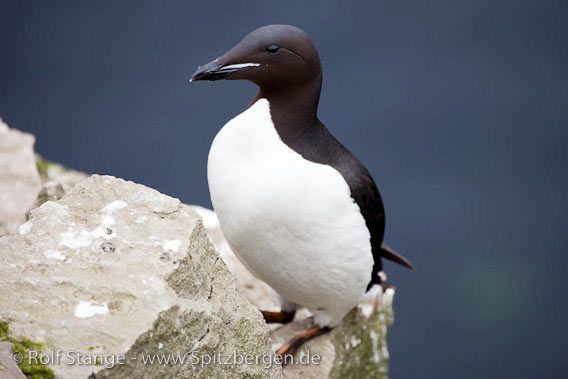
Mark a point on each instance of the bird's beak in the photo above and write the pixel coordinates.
(217, 70)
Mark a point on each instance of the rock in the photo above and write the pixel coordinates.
(51, 172)
(56, 180)
(8, 368)
(357, 348)
(50, 191)
(117, 270)
(26, 179)
(19, 179)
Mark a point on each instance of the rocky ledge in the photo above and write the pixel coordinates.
(115, 268)
(111, 279)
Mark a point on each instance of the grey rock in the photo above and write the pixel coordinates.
(115, 268)
(56, 180)
(52, 172)
(8, 368)
(19, 178)
(50, 191)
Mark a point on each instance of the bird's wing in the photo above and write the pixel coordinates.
(365, 193)
(329, 151)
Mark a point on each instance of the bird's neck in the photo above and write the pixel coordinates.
(295, 105)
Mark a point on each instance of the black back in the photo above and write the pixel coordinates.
(313, 141)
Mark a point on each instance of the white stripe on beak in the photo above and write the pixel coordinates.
(237, 66)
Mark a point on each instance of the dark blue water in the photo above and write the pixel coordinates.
(458, 108)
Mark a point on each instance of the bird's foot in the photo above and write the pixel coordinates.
(278, 317)
(290, 346)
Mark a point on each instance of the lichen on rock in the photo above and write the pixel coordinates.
(20, 351)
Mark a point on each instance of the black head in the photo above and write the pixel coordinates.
(273, 56)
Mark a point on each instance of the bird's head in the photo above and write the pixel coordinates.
(273, 57)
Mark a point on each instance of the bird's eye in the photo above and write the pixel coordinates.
(272, 48)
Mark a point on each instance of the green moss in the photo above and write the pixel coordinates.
(31, 369)
(42, 166)
(3, 330)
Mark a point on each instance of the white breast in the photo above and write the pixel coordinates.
(291, 221)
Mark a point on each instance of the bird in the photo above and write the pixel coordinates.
(299, 210)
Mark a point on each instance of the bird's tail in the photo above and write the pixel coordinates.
(391, 255)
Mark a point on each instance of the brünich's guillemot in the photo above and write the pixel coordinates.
(298, 209)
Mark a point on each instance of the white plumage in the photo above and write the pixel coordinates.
(291, 222)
